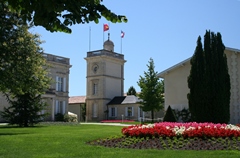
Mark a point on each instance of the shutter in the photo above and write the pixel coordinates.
(132, 111)
(116, 112)
(109, 112)
(56, 107)
(95, 110)
(64, 107)
(56, 83)
(64, 84)
(126, 111)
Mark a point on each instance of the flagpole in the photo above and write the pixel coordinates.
(103, 35)
(89, 38)
(121, 45)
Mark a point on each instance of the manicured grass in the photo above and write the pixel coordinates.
(69, 141)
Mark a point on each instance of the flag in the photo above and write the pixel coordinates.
(105, 27)
(122, 34)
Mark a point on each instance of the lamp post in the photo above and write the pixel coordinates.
(122, 118)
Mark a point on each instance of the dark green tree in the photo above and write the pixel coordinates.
(23, 70)
(58, 15)
(209, 81)
(151, 90)
(169, 115)
(131, 91)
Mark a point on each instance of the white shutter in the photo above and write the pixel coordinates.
(116, 112)
(109, 112)
(56, 83)
(64, 84)
(64, 107)
(56, 107)
(126, 111)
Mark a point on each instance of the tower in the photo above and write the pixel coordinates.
(105, 80)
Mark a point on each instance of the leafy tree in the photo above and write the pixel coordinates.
(60, 14)
(169, 116)
(23, 70)
(151, 90)
(209, 81)
(131, 91)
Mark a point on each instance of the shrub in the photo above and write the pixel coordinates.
(169, 116)
(70, 118)
(59, 117)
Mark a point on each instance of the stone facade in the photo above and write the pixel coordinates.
(176, 86)
(58, 94)
(105, 78)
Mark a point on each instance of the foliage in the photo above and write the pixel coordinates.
(59, 15)
(70, 118)
(183, 115)
(84, 112)
(172, 144)
(24, 110)
(131, 91)
(23, 70)
(169, 116)
(151, 90)
(187, 130)
(209, 81)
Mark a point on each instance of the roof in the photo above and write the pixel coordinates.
(163, 73)
(129, 99)
(76, 99)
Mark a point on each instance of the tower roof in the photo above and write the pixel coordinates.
(108, 44)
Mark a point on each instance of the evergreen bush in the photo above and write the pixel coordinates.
(169, 116)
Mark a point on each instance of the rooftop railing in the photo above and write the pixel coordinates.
(54, 58)
(105, 52)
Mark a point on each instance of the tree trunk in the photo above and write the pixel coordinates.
(152, 114)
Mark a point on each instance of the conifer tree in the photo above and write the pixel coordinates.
(131, 91)
(209, 81)
(169, 116)
(151, 90)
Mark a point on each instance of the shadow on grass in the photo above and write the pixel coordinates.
(15, 126)
(11, 134)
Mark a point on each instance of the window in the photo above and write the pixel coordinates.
(94, 88)
(113, 112)
(140, 112)
(94, 110)
(129, 111)
(60, 107)
(60, 84)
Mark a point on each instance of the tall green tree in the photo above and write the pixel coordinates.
(58, 15)
(209, 81)
(131, 91)
(151, 90)
(23, 70)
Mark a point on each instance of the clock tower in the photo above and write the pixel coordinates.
(105, 80)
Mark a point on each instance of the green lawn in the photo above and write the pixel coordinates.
(69, 141)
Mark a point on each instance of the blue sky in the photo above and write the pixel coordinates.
(165, 30)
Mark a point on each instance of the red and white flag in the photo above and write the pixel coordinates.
(105, 27)
(122, 34)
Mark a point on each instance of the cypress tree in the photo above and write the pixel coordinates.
(169, 116)
(196, 94)
(209, 81)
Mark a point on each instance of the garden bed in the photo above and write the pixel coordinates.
(176, 136)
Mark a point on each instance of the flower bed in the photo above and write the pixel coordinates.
(116, 121)
(187, 130)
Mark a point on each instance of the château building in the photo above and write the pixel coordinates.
(58, 94)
